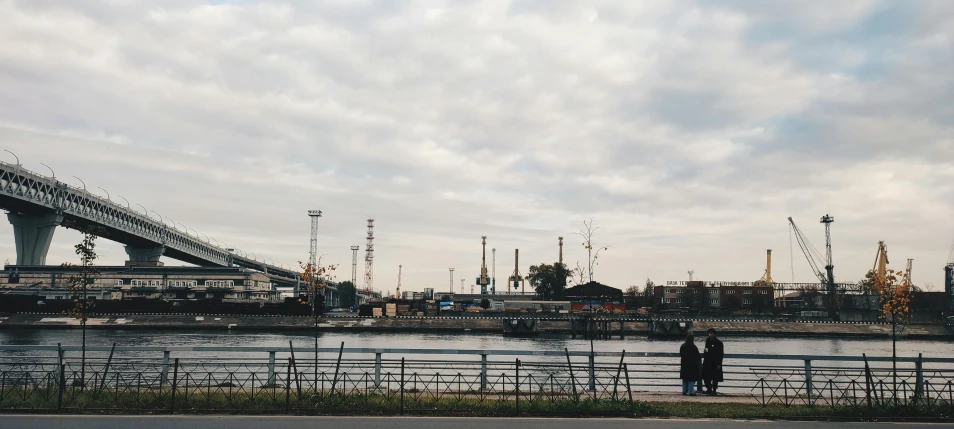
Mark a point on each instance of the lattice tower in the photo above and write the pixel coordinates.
(354, 265)
(369, 258)
(314, 215)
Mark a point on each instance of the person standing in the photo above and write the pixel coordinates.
(712, 365)
(689, 366)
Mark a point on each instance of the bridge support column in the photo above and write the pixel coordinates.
(33, 235)
(148, 256)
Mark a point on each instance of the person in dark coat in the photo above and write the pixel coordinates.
(712, 365)
(689, 367)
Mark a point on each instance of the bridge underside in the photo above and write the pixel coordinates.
(33, 231)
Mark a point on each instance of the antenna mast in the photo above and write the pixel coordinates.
(369, 259)
(561, 251)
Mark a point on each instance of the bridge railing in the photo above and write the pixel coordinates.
(397, 380)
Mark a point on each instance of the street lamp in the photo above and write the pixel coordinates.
(127, 202)
(51, 170)
(15, 156)
(107, 194)
(81, 181)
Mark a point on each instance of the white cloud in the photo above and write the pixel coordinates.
(688, 131)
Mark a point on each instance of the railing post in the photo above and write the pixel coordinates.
(61, 363)
(175, 379)
(918, 380)
(517, 387)
(271, 369)
(377, 370)
(483, 371)
(808, 380)
(402, 386)
(868, 382)
(165, 369)
(288, 387)
(592, 373)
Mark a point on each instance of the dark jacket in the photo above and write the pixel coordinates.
(689, 368)
(712, 366)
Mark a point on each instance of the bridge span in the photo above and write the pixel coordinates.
(37, 204)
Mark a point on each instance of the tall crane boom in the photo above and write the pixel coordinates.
(812, 255)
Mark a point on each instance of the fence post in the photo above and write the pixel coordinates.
(402, 385)
(62, 373)
(629, 388)
(616, 379)
(517, 387)
(592, 373)
(808, 380)
(868, 381)
(483, 372)
(102, 384)
(377, 370)
(165, 370)
(919, 380)
(271, 369)
(337, 368)
(288, 387)
(175, 379)
(569, 366)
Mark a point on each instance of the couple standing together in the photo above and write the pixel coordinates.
(711, 368)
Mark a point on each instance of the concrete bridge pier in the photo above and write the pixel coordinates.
(148, 256)
(33, 235)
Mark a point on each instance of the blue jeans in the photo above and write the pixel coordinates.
(688, 386)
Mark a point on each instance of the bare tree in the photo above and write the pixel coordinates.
(587, 234)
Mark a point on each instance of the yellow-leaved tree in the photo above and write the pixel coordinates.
(894, 293)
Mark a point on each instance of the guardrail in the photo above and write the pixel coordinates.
(390, 381)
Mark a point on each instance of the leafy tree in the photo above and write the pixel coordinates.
(78, 284)
(894, 296)
(648, 292)
(485, 303)
(316, 279)
(348, 294)
(549, 281)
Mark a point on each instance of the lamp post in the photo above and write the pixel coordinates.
(81, 181)
(128, 207)
(51, 170)
(15, 156)
(107, 194)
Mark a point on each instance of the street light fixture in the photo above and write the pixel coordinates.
(107, 194)
(128, 207)
(81, 181)
(51, 170)
(15, 156)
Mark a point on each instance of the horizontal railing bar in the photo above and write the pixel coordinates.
(472, 352)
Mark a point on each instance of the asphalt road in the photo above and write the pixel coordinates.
(281, 422)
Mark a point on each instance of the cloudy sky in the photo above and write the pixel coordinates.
(689, 131)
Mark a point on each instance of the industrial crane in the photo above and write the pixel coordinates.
(815, 259)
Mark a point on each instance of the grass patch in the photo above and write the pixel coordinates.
(212, 399)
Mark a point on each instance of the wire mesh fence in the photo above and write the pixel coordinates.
(389, 382)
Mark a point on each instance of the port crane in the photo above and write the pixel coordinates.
(816, 259)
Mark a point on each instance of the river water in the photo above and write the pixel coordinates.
(733, 345)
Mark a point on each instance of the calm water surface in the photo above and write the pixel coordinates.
(802, 346)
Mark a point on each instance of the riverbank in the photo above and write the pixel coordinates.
(453, 325)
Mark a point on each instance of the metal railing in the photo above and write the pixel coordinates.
(395, 381)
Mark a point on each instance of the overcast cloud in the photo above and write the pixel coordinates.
(689, 131)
